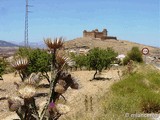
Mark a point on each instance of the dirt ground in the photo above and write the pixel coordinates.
(75, 98)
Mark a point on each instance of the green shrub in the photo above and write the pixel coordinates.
(126, 60)
(135, 54)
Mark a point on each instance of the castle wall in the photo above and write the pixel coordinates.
(89, 34)
(111, 37)
(98, 34)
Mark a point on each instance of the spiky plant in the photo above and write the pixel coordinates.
(25, 104)
(62, 61)
(60, 80)
(55, 44)
(14, 103)
(20, 64)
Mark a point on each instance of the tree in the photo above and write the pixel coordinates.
(39, 61)
(135, 54)
(98, 59)
(80, 60)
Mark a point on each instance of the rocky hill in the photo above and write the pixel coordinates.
(120, 46)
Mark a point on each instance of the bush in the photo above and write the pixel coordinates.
(3, 65)
(151, 104)
(135, 54)
(126, 60)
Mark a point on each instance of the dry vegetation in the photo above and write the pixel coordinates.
(75, 98)
(120, 46)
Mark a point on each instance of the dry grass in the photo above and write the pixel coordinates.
(75, 98)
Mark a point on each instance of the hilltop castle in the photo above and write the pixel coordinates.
(96, 34)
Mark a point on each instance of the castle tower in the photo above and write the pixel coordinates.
(84, 33)
(105, 32)
(96, 30)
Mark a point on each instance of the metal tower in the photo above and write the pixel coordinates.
(26, 26)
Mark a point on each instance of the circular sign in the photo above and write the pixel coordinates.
(145, 51)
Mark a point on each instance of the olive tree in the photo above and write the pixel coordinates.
(98, 59)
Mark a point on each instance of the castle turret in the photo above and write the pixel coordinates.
(96, 30)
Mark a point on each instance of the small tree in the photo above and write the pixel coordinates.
(100, 58)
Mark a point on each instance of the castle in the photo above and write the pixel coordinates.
(96, 34)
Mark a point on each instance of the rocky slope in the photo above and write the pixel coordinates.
(121, 46)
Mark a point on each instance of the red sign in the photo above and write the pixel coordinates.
(145, 51)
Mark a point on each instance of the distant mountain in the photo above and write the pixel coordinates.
(39, 44)
(7, 44)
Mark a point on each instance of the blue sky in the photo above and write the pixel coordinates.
(133, 20)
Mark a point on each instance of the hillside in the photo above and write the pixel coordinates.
(7, 44)
(121, 46)
(7, 48)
